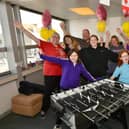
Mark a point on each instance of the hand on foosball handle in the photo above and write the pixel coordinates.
(119, 85)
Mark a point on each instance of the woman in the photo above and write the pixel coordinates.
(70, 43)
(51, 71)
(114, 46)
(95, 58)
(122, 69)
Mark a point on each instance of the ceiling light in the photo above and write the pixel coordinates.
(83, 11)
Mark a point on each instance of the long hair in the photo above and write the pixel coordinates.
(115, 37)
(120, 62)
(72, 51)
(74, 42)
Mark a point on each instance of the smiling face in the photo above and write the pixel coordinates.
(55, 38)
(114, 41)
(73, 57)
(124, 57)
(94, 41)
(85, 34)
(68, 40)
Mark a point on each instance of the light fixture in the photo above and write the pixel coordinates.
(83, 11)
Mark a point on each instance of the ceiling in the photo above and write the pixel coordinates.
(60, 8)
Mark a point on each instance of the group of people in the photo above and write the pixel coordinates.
(64, 65)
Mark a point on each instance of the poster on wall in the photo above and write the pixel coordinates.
(105, 2)
(125, 7)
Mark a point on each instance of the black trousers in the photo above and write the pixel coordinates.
(52, 84)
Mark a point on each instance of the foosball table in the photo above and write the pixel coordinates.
(92, 103)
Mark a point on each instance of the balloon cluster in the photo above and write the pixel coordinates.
(101, 14)
(45, 32)
(125, 28)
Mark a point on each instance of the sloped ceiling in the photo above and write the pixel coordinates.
(60, 8)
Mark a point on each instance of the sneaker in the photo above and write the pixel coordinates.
(43, 114)
(57, 127)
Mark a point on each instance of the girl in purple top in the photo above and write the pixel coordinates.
(72, 68)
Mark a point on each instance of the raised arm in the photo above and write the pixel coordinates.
(19, 26)
(121, 33)
(64, 29)
(125, 38)
(107, 39)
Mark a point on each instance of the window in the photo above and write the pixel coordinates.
(3, 54)
(33, 22)
(56, 26)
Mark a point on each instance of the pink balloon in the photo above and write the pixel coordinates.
(101, 12)
(46, 18)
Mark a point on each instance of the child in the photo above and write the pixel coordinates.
(72, 68)
(71, 71)
(122, 69)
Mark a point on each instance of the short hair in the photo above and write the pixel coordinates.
(86, 30)
(56, 34)
(95, 36)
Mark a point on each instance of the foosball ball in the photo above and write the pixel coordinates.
(94, 102)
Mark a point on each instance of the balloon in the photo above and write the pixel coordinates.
(101, 26)
(46, 33)
(127, 34)
(46, 18)
(101, 12)
(125, 27)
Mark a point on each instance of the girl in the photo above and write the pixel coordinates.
(71, 70)
(122, 70)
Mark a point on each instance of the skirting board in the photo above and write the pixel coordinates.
(5, 114)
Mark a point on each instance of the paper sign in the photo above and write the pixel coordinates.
(105, 2)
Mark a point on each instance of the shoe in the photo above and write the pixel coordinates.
(57, 127)
(43, 114)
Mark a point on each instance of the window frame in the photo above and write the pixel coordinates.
(26, 47)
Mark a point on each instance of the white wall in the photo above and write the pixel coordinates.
(76, 26)
(10, 89)
(7, 91)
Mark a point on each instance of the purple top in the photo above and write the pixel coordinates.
(127, 47)
(70, 74)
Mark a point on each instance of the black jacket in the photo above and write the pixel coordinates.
(96, 60)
